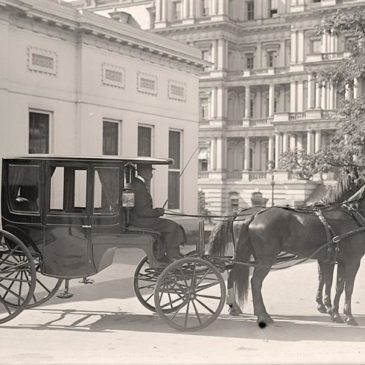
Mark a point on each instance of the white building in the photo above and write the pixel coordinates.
(260, 97)
(72, 82)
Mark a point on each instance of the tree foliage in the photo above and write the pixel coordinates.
(346, 149)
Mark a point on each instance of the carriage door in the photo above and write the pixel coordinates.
(67, 232)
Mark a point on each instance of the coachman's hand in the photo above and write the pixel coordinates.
(161, 211)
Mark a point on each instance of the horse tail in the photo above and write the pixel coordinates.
(220, 238)
(240, 273)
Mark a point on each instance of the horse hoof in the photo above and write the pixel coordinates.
(336, 318)
(321, 308)
(264, 321)
(233, 312)
(351, 321)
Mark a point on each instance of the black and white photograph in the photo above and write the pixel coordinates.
(182, 182)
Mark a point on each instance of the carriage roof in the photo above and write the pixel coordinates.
(97, 159)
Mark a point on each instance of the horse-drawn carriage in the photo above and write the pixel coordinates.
(64, 218)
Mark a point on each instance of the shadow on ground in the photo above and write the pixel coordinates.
(285, 328)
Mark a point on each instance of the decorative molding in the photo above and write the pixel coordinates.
(42, 61)
(177, 90)
(147, 83)
(113, 75)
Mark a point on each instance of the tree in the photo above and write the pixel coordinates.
(346, 150)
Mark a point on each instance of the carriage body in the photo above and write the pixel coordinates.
(69, 210)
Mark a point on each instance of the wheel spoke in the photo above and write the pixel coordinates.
(205, 306)
(187, 314)
(9, 288)
(197, 313)
(207, 296)
(206, 286)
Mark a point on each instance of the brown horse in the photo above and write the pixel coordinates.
(299, 232)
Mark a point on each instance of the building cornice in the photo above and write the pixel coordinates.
(67, 17)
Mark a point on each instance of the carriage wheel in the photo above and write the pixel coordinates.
(17, 276)
(144, 283)
(46, 286)
(196, 290)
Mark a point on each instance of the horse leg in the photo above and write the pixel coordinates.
(351, 271)
(259, 274)
(328, 279)
(234, 308)
(340, 283)
(320, 306)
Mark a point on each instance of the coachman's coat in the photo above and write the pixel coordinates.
(145, 216)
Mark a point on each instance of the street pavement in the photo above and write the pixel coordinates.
(103, 323)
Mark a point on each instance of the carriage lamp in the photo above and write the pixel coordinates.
(127, 197)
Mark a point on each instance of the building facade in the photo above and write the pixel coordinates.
(75, 83)
(260, 96)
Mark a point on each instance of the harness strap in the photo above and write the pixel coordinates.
(330, 234)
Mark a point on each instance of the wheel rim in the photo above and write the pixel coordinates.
(195, 289)
(17, 276)
(144, 284)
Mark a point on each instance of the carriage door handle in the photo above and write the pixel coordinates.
(86, 226)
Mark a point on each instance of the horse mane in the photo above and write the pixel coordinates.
(339, 192)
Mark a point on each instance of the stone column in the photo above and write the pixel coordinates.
(158, 11)
(247, 102)
(293, 47)
(213, 154)
(213, 103)
(324, 43)
(318, 95)
(318, 141)
(214, 7)
(258, 103)
(356, 88)
(220, 102)
(292, 142)
(300, 141)
(293, 97)
(258, 56)
(164, 11)
(300, 46)
(214, 54)
(271, 99)
(323, 96)
(221, 57)
(247, 154)
(221, 146)
(277, 149)
(271, 149)
(348, 93)
(300, 96)
(310, 142)
(192, 9)
(285, 142)
(258, 9)
(185, 9)
(310, 91)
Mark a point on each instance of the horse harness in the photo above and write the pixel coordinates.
(333, 239)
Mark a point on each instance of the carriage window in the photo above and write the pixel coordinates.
(68, 189)
(106, 190)
(23, 188)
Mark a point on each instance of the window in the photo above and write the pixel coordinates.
(38, 132)
(349, 44)
(316, 46)
(23, 188)
(234, 201)
(273, 8)
(68, 189)
(174, 170)
(144, 141)
(271, 59)
(250, 10)
(106, 190)
(249, 61)
(205, 7)
(205, 54)
(110, 137)
(176, 10)
(251, 108)
(204, 108)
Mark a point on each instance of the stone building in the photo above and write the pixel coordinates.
(72, 82)
(260, 96)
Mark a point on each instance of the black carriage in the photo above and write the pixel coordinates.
(64, 217)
